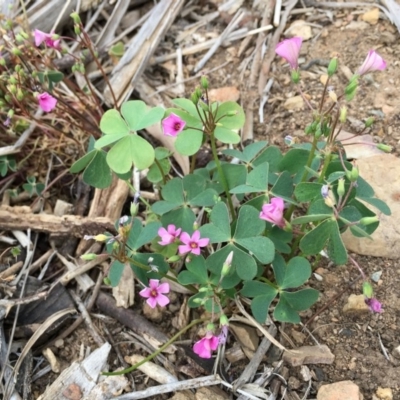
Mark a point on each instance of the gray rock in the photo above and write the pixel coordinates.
(308, 355)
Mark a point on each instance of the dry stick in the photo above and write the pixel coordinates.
(86, 317)
(11, 271)
(264, 73)
(79, 320)
(172, 387)
(277, 13)
(252, 366)
(228, 30)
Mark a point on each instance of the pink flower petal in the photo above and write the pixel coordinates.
(183, 249)
(185, 238)
(146, 292)
(163, 288)
(153, 284)
(152, 302)
(373, 62)
(162, 300)
(289, 49)
(196, 236)
(203, 242)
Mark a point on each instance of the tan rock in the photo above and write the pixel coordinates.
(294, 103)
(384, 393)
(358, 146)
(228, 93)
(308, 355)
(371, 16)
(300, 28)
(382, 172)
(345, 390)
(356, 305)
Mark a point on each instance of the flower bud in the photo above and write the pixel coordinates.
(384, 147)
(8, 25)
(367, 290)
(2, 61)
(204, 82)
(100, 238)
(16, 51)
(194, 97)
(369, 220)
(231, 113)
(227, 265)
(10, 113)
(353, 175)
(19, 95)
(173, 259)
(343, 114)
(12, 89)
(19, 38)
(332, 95)
(77, 30)
(24, 34)
(210, 327)
(134, 209)
(351, 88)
(369, 122)
(12, 80)
(295, 76)
(75, 17)
(8, 98)
(340, 188)
(88, 256)
(107, 281)
(223, 320)
(332, 67)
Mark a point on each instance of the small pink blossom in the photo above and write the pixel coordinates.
(192, 244)
(289, 49)
(204, 347)
(172, 125)
(155, 293)
(373, 62)
(168, 235)
(47, 38)
(374, 305)
(46, 102)
(273, 212)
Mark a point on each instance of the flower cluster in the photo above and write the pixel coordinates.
(191, 244)
(273, 212)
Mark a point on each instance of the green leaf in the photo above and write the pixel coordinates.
(295, 274)
(378, 203)
(81, 164)
(55, 76)
(307, 191)
(115, 272)
(310, 218)
(139, 116)
(230, 121)
(249, 152)
(112, 123)
(106, 140)
(256, 288)
(258, 177)
(196, 272)
(235, 174)
(97, 172)
(130, 150)
(147, 234)
(182, 217)
(294, 160)
(205, 199)
(219, 229)
(173, 191)
(284, 312)
(162, 207)
(314, 241)
(226, 135)
(364, 189)
(262, 248)
(186, 105)
(260, 305)
(283, 187)
(188, 142)
(336, 250)
(272, 155)
(248, 224)
(154, 175)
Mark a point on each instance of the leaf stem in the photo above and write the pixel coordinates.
(157, 352)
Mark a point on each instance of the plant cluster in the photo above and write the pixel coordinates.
(252, 222)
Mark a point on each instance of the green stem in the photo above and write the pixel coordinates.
(157, 352)
(221, 174)
(164, 179)
(193, 163)
(327, 161)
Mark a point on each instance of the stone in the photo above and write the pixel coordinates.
(385, 238)
(246, 336)
(358, 147)
(384, 393)
(308, 355)
(211, 393)
(300, 28)
(344, 390)
(294, 103)
(396, 352)
(356, 306)
(227, 93)
(371, 16)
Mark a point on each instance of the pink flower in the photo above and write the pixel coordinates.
(273, 212)
(204, 347)
(289, 49)
(373, 62)
(46, 102)
(47, 38)
(192, 244)
(172, 125)
(168, 235)
(374, 305)
(154, 293)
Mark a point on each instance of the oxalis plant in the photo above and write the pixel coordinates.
(254, 222)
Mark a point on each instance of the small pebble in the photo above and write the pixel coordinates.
(376, 276)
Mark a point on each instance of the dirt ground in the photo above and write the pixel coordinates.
(356, 341)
